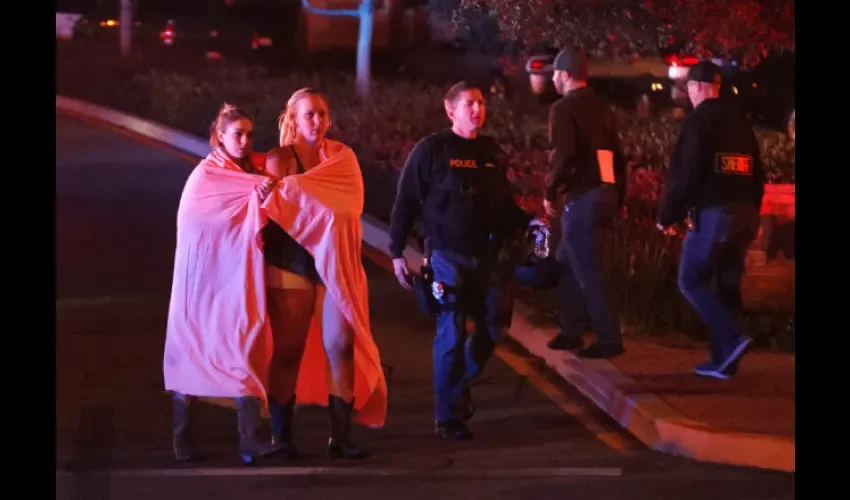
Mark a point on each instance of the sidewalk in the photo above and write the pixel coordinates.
(652, 392)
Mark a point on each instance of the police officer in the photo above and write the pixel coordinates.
(453, 179)
(585, 188)
(716, 174)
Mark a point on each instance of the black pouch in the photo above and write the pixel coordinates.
(422, 288)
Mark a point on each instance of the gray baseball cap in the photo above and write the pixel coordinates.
(573, 61)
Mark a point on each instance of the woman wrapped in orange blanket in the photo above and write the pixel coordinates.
(317, 290)
(227, 338)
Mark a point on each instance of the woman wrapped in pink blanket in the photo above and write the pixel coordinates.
(220, 342)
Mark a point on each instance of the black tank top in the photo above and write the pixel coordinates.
(282, 251)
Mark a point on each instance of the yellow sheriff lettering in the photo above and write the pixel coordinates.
(735, 164)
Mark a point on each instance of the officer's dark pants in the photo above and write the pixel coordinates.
(717, 248)
(582, 288)
(458, 359)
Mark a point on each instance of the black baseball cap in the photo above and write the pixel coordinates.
(573, 62)
(705, 72)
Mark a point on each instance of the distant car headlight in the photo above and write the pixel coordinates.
(677, 72)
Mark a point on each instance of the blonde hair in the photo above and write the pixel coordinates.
(226, 115)
(286, 121)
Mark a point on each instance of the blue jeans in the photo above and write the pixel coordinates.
(716, 249)
(582, 290)
(458, 359)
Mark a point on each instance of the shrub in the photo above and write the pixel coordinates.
(639, 263)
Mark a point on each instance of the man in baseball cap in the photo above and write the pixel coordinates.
(704, 80)
(715, 180)
(585, 185)
(573, 62)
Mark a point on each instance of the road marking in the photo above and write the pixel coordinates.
(611, 438)
(352, 471)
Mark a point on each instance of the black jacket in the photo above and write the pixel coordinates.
(460, 189)
(580, 123)
(716, 161)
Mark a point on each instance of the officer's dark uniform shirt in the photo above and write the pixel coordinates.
(716, 161)
(283, 252)
(461, 191)
(580, 124)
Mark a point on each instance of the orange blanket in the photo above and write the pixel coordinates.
(321, 210)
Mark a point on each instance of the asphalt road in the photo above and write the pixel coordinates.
(535, 437)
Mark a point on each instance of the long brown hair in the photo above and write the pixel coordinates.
(226, 115)
(286, 121)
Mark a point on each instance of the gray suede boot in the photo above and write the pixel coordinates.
(181, 440)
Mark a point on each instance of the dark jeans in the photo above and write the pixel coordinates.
(582, 287)
(716, 249)
(458, 359)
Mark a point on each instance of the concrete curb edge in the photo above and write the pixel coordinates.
(644, 415)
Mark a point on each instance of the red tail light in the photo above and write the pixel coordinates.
(674, 60)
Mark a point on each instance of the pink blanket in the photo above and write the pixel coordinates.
(218, 341)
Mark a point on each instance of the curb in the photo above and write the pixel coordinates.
(646, 416)
(642, 414)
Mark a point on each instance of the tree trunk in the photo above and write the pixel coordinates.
(398, 35)
(126, 26)
(364, 49)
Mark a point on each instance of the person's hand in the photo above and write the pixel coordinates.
(402, 272)
(550, 209)
(264, 189)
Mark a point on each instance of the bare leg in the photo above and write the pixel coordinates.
(338, 340)
(290, 313)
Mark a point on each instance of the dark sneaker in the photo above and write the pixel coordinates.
(453, 430)
(730, 364)
(710, 370)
